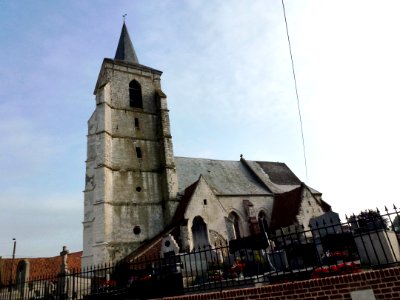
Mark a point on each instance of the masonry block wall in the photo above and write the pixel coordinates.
(384, 283)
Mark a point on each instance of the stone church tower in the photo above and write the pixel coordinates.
(131, 182)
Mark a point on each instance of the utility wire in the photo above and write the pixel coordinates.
(295, 86)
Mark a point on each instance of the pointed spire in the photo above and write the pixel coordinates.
(125, 50)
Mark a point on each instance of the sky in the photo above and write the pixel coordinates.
(228, 77)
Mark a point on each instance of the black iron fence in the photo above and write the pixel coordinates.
(327, 247)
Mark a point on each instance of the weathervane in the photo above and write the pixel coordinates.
(124, 16)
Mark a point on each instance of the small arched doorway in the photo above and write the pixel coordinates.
(199, 233)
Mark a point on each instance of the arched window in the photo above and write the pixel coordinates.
(262, 222)
(135, 94)
(234, 218)
(200, 233)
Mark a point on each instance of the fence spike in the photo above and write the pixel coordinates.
(386, 209)
(377, 210)
(394, 207)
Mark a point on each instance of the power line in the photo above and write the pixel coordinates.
(295, 86)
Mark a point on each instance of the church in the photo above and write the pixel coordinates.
(137, 193)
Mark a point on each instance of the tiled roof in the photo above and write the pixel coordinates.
(40, 267)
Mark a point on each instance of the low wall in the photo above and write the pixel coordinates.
(384, 283)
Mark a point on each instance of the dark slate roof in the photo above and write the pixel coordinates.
(228, 177)
(125, 50)
(225, 177)
(279, 173)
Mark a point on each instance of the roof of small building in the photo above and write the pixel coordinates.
(39, 267)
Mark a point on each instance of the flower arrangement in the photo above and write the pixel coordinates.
(135, 278)
(215, 275)
(239, 264)
(214, 272)
(237, 268)
(107, 285)
(338, 254)
(335, 257)
(339, 269)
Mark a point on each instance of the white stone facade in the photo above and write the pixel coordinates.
(215, 210)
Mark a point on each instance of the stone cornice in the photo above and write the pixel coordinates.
(114, 136)
(128, 203)
(134, 170)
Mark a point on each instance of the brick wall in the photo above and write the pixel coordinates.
(385, 284)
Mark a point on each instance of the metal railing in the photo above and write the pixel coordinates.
(325, 248)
